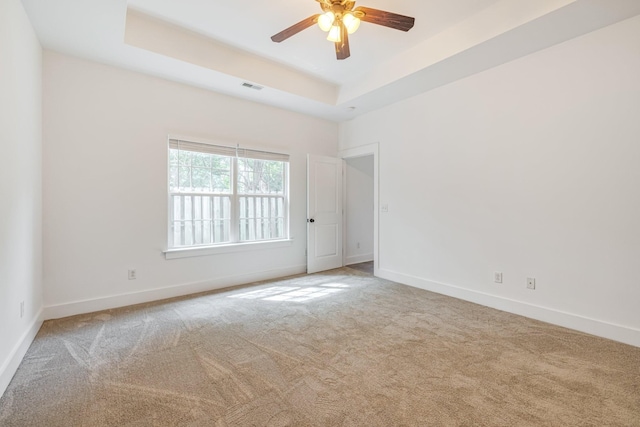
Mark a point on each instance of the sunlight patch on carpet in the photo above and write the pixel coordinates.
(294, 294)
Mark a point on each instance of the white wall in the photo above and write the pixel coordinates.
(20, 186)
(359, 210)
(105, 183)
(531, 169)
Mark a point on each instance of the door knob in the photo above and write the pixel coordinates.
(312, 220)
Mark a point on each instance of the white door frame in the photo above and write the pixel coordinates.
(351, 153)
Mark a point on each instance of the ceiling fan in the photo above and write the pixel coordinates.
(339, 19)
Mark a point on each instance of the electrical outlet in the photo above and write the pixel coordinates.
(358, 245)
(531, 283)
(21, 309)
(497, 277)
(384, 208)
(133, 275)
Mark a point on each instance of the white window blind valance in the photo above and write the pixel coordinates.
(222, 150)
(178, 144)
(262, 155)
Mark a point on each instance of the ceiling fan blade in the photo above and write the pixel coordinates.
(387, 19)
(295, 29)
(342, 47)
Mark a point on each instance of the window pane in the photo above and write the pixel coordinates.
(200, 179)
(199, 172)
(260, 176)
(201, 160)
(173, 178)
(200, 220)
(197, 207)
(177, 207)
(220, 162)
(207, 232)
(274, 177)
(184, 177)
(187, 233)
(184, 158)
(177, 233)
(221, 181)
(221, 174)
(173, 157)
(261, 217)
(221, 231)
(187, 212)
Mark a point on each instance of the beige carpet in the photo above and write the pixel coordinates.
(335, 349)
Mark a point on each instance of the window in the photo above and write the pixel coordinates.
(224, 195)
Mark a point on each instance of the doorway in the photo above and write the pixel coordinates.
(360, 202)
(358, 210)
(328, 232)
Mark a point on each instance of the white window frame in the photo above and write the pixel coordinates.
(235, 244)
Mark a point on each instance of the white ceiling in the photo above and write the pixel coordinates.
(218, 45)
(248, 25)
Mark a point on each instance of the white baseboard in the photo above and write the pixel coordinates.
(357, 259)
(10, 366)
(122, 300)
(591, 326)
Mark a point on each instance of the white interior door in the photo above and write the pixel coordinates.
(324, 213)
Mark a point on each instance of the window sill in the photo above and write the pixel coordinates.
(225, 249)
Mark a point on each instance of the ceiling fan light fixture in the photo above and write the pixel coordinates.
(351, 22)
(340, 18)
(334, 34)
(326, 20)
